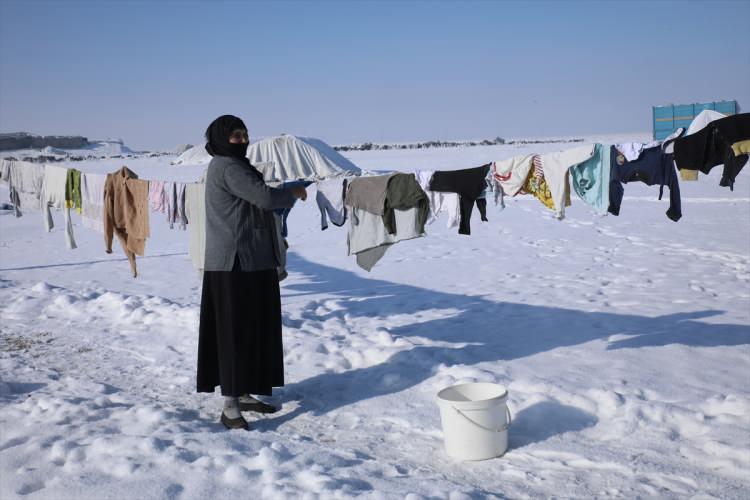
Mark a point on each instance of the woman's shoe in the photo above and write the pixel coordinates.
(249, 403)
(234, 423)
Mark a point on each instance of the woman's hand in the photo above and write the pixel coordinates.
(299, 192)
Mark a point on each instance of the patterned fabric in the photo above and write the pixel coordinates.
(536, 185)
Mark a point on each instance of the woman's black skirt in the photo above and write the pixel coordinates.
(239, 344)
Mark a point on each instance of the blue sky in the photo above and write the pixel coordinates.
(156, 73)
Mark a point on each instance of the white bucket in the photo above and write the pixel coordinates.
(475, 420)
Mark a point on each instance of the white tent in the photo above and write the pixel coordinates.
(194, 156)
(285, 157)
(288, 157)
(702, 119)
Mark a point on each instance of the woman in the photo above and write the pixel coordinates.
(239, 345)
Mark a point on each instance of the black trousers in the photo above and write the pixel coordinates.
(469, 183)
(466, 206)
(239, 343)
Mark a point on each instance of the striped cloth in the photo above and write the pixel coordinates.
(538, 169)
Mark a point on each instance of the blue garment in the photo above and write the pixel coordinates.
(654, 166)
(284, 212)
(591, 179)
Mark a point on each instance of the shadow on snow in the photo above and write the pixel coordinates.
(480, 330)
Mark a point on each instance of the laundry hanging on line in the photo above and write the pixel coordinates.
(591, 179)
(653, 167)
(54, 195)
(92, 200)
(373, 226)
(157, 196)
(545, 176)
(175, 197)
(712, 146)
(24, 181)
(330, 200)
(283, 213)
(439, 202)
(126, 214)
(469, 184)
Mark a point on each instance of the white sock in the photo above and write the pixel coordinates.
(231, 407)
(249, 398)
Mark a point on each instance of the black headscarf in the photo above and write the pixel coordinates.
(217, 137)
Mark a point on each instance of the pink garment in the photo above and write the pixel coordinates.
(157, 197)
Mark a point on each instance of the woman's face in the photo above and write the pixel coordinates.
(239, 136)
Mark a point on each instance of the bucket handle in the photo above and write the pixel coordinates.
(502, 428)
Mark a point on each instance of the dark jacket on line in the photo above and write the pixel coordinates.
(652, 167)
(712, 146)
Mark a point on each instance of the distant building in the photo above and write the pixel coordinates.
(668, 118)
(24, 140)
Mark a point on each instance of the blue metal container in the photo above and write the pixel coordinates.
(669, 118)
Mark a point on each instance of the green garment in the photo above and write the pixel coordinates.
(73, 190)
(404, 192)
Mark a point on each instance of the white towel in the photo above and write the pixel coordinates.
(92, 197)
(24, 183)
(53, 196)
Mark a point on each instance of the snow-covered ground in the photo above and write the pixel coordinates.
(624, 343)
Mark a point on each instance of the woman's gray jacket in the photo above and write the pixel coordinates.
(239, 217)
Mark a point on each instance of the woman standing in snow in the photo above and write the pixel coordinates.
(239, 346)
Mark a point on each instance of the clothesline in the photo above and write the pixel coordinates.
(385, 209)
